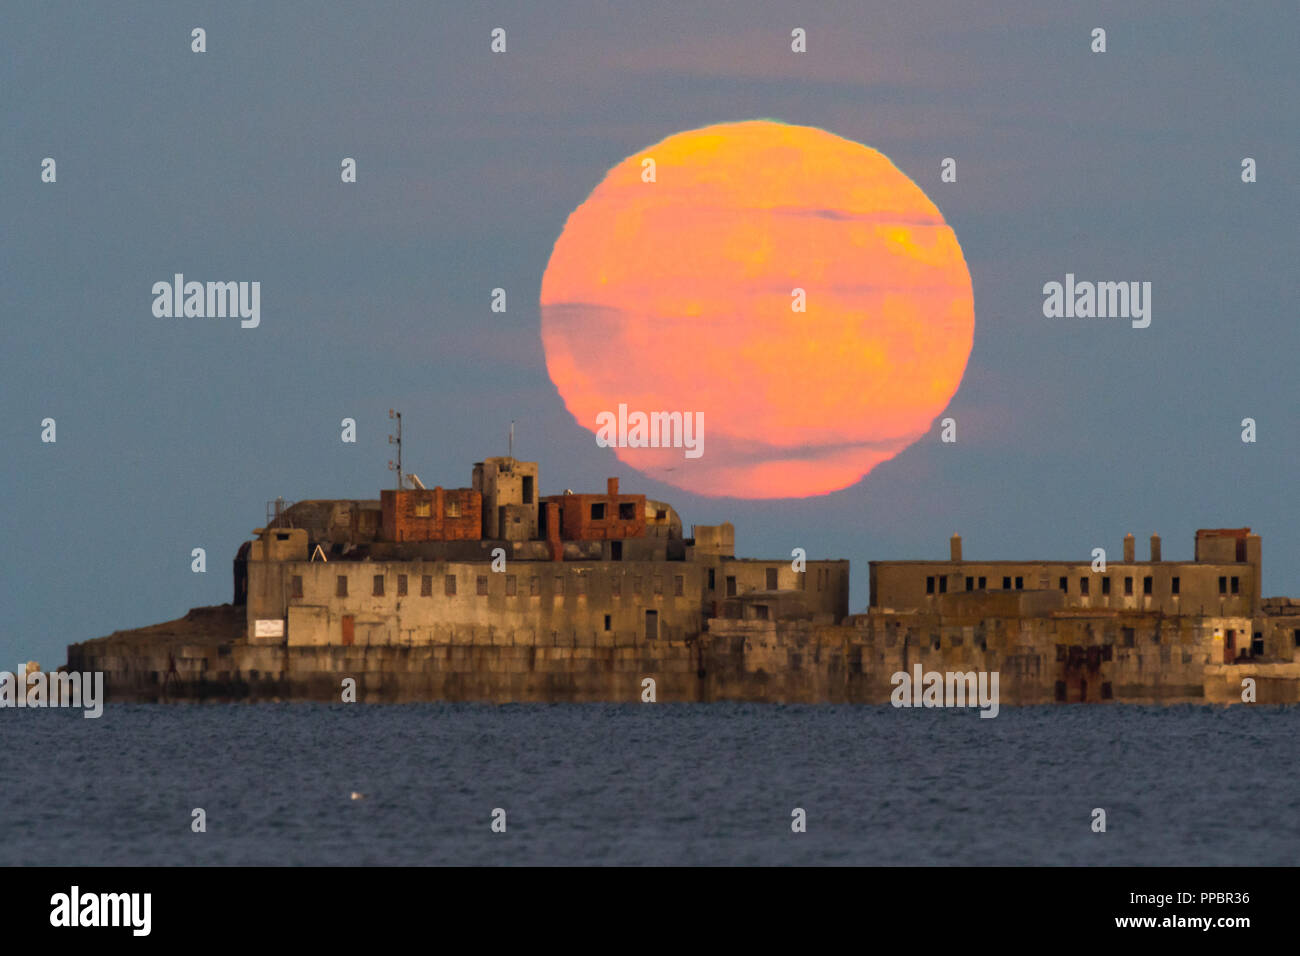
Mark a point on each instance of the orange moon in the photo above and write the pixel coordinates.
(675, 288)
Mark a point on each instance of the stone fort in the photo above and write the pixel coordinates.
(495, 592)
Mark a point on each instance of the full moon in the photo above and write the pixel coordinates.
(789, 288)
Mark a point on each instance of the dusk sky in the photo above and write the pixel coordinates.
(174, 433)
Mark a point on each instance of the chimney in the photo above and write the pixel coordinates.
(1129, 549)
(954, 548)
(611, 487)
(1155, 547)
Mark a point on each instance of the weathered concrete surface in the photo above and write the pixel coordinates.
(205, 656)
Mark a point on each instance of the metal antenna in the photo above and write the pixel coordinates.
(398, 442)
(512, 438)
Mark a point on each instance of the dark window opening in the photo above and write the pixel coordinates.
(627, 511)
(1128, 587)
(1006, 584)
(1174, 586)
(1223, 585)
(378, 589)
(1236, 585)
(1257, 645)
(341, 586)
(651, 625)
(984, 583)
(1020, 584)
(1105, 585)
(970, 584)
(598, 511)
(1065, 585)
(528, 489)
(711, 580)
(616, 550)
(449, 585)
(1146, 584)
(607, 622)
(426, 585)
(943, 584)
(1241, 549)
(760, 611)
(281, 536)
(929, 584)
(1083, 586)
(401, 585)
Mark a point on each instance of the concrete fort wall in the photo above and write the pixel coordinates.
(1040, 661)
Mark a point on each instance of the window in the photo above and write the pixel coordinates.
(929, 584)
(451, 508)
(1130, 637)
(1241, 549)
(651, 625)
(626, 511)
(1083, 586)
(1105, 585)
(282, 536)
(295, 586)
(449, 585)
(1295, 636)
(1236, 585)
(771, 579)
(1128, 586)
(1006, 584)
(1020, 584)
(598, 511)
(1065, 585)
(1223, 585)
(679, 585)
(970, 584)
(401, 585)
(943, 584)
(760, 612)
(1173, 586)
(341, 586)
(378, 589)
(712, 584)
(607, 622)
(1146, 584)
(731, 585)
(426, 585)
(661, 514)
(535, 586)
(984, 584)
(511, 585)
(528, 489)
(423, 509)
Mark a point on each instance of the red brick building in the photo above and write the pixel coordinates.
(604, 517)
(432, 514)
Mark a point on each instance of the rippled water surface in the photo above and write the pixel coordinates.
(649, 784)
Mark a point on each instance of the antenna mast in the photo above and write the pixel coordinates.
(398, 442)
(512, 438)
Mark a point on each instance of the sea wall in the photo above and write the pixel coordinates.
(1038, 660)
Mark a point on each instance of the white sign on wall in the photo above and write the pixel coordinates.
(268, 628)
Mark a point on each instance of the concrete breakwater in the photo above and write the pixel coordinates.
(203, 656)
